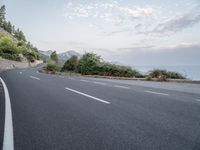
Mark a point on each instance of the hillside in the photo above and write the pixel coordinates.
(13, 43)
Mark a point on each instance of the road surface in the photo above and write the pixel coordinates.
(51, 112)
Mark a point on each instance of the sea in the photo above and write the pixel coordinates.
(189, 71)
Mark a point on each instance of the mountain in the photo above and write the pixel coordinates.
(67, 55)
(62, 57)
(46, 53)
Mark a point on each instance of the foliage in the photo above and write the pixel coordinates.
(163, 74)
(71, 64)
(8, 48)
(92, 64)
(54, 57)
(18, 34)
(13, 42)
(2, 14)
(148, 78)
(88, 63)
(53, 67)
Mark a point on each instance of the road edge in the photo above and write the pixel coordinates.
(8, 138)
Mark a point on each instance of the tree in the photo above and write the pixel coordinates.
(2, 14)
(54, 57)
(7, 26)
(71, 64)
(19, 35)
(88, 62)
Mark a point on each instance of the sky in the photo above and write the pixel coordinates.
(131, 32)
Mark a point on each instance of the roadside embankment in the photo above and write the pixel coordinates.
(9, 64)
(121, 78)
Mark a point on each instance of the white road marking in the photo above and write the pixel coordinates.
(37, 71)
(71, 78)
(158, 93)
(101, 83)
(197, 99)
(95, 98)
(123, 87)
(84, 80)
(8, 139)
(34, 77)
(20, 72)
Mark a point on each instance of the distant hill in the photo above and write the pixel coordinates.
(62, 57)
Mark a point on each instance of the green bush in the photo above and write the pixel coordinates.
(88, 63)
(92, 64)
(52, 67)
(175, 75)
(71, 64)
(162, 75)
(8, 45)
(8, 56)
(54, 57)
(148, 78)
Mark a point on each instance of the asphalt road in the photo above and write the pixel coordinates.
(52, 112)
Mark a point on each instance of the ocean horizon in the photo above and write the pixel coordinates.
(189, 71)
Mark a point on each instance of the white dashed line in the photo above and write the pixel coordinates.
(197, 99)
(122, 87)
(20, 72)
(101, 83)
(152, 92)
(71, 78)
(34, 77)
(84, 80)
(8, 139)
(92, 97)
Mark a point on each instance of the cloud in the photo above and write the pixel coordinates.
(174, 24)
(110, 12)
(81, 12)
(135, 13)
(177, 24)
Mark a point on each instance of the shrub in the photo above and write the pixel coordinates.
(7, 45)
(175, 75)
(88, 63)
(148, 78)
(8, 56)
(92, 64)
(162, 75)
(71, 64)
(52, 67)
(54, 57)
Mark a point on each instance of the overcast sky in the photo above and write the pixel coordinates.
(133, 32)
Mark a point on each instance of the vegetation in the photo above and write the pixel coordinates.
(71, 64)
(163, 75)
(52, 67)
(92, 64)
(13, 41)
(52, 64)
(54, 57)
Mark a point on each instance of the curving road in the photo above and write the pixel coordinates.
(51, 112)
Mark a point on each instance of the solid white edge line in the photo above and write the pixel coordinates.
(95, 98)
(34, 78)
(101, 83)
(158, 93)
(8, 139)
(123, 87)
